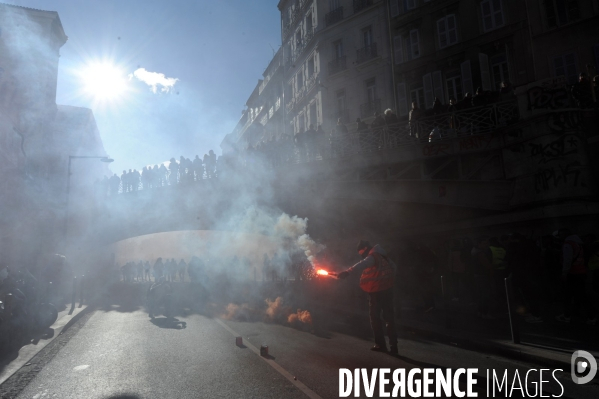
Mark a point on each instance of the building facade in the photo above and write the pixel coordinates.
(337, 61)
(37, 136)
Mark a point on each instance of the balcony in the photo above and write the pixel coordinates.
(337, 65)
(296, 16)
(334, 16)
(369, 108)
(360, 5)
(366, 53)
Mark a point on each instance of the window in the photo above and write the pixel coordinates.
(301, 122)
(367, 36)
(492, 13)
(300, 79)
(560, 12)
(311, 67)
(417, 96)
(334, 4)
(340, 102)
(447, 31)
(398, 49)
(309, 23)
(371, 90)
(338, 49)
(313, 114)
(500, 70)
(394, 7)
(454, 87)
(566, 66)
(410, 4)
(414, 43)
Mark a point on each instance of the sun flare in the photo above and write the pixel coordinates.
(104, 81)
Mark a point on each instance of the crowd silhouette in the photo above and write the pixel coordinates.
(165, 174)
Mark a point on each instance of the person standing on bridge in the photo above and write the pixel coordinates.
(378, 280)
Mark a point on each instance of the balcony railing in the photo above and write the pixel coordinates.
(369, 108)
(465, 123)
(334, 16)
(359, 5)
(366, 53)
(337, 65)
(296, 16)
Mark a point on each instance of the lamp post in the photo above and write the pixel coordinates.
(66, 212)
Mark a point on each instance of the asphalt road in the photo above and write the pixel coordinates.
(124, 355)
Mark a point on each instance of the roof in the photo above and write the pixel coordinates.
(50, 14)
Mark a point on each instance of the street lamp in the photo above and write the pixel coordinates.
(66, 212)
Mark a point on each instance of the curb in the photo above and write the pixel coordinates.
(27, 352)
(551, 357)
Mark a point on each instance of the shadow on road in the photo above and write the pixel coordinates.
(169, 322)
(124, 396)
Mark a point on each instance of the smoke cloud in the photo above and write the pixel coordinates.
(154, 79)
(295, 228)
(276, 312)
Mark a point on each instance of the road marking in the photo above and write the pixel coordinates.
(310, 393)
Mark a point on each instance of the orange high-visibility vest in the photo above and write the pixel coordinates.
(378, 277)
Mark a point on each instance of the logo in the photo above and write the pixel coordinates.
(584, 367)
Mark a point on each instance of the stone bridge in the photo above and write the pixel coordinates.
(506, 167)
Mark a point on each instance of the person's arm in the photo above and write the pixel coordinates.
(361, 265)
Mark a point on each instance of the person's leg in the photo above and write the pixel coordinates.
(375, 319)
(389, 317)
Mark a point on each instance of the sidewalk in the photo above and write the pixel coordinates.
(549, 343)
(10, 365)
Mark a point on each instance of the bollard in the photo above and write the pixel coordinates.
(264, 350)
(81, 290)
(74, 294)
(514, 322)
(239, 341)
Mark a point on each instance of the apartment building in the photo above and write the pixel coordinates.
(447, 48)
(565, 37)
(337, 61)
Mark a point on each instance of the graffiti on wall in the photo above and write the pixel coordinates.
(432, 150)
(476, 142)
(544, 98)
(562, 121)
(554, 150)
(560, 175)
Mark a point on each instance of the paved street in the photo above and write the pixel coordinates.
(123, 354)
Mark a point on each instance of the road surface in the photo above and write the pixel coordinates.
(118, 354)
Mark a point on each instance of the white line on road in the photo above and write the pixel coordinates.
(311, 394)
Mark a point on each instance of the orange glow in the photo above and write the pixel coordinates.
(322, 272)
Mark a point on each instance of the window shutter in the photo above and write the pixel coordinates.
(414, 43)
(441, 31)
(394, 6)
(427, 83)
(466, 78)
(402, 99)
(485, 75)
(438, 85)
(397, 44)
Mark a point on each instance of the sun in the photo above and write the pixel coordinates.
(104, 81)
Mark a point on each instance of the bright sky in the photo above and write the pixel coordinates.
(217, 50)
